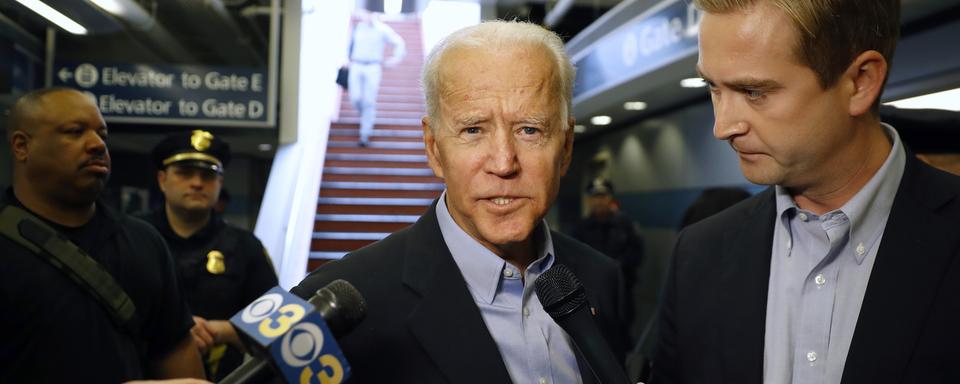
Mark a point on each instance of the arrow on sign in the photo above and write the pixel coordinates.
(65, 74)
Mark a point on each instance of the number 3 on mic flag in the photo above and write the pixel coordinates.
(297, 337)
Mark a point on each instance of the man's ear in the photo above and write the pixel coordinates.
(430, 145)
(161, 179)
(20, 145)
(568, 135)
(867, 74)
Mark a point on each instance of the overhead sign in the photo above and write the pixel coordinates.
(662, 35)
(173, 94)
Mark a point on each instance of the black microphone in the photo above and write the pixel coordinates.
(564, 299)
(339, 304)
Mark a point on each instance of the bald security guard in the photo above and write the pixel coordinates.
(222, 267)
(88, 295)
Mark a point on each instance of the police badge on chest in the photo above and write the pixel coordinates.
(215, 264)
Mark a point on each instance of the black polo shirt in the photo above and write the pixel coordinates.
(57, 332)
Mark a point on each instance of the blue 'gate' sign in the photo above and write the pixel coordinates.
(173, 94)
(661, 35)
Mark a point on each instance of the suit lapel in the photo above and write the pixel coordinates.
(913, 256)
(446, 321)
(743, 272)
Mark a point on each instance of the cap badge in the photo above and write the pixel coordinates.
(200, 140)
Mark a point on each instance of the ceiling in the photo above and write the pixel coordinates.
(661, 91)
(232, 33)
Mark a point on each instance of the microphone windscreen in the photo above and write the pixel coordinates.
(341, 306)
(560, 291)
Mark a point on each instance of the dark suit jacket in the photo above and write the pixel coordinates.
(422, 325)
(908, 331)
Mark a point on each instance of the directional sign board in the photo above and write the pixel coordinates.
(173, 94)
(659, 36)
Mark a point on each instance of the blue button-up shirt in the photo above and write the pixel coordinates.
(819, 271)
(533, 347)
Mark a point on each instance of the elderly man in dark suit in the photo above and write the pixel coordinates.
(847, 269)
(451, 299)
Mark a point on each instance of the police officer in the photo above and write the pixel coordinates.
(222, 268)
(88, 295)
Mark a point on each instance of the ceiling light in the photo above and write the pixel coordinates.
(693, 82)
(634, 105)
(600, 120)
(54, 16)
(265, 147)
(948, 100)
(579, 128)
(112, 6)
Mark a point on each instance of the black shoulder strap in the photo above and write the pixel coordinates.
(31, 233)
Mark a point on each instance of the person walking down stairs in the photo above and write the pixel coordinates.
(369, 39)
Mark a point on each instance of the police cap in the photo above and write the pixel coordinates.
(600, 187)
(196, 148)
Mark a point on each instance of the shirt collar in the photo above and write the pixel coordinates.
(869, 208)
(481, 268)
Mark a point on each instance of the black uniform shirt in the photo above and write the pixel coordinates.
(247, 270)
(216, 294)
(56, 332)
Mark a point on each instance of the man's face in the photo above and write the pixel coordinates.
(500, 144)
(66, 156)
(188, 188)
(600, 204)
(785, 128)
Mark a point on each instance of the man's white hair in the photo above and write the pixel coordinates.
(499, 35)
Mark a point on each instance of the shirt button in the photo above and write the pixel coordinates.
(861, 249)
(508, 272)
(802, 216)
(820, 280)
(542, 381)
(526, 312)
(811, 356)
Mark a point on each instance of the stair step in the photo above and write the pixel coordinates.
(384, 114)
(382, 179)
(349, 235)
(345, 105)
(377, 133)
(383, 127)
(370, 201)
(371, 150)
(382, 186)
(405, 158)
(334, 192)
(354, 226)
(367, 218)
(382, 121)
(406, 99)
(372, 209)
(382, 139)
(379, 164)
(327, 255)
(378, 144)
(338, 245)
(378, 171)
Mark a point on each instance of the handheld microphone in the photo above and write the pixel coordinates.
(564, 299)
(298, 338)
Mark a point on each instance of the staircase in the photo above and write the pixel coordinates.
(369, 192)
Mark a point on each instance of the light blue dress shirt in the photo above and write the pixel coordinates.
(533, 347)
(819, 271)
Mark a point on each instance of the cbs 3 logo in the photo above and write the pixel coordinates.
(301, 343)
